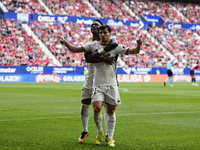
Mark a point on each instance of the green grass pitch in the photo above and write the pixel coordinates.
(46, 116)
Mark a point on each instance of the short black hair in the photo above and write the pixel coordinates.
(102, 27)
(98, 21)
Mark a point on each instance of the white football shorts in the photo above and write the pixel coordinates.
(107, 94)
(86, 93)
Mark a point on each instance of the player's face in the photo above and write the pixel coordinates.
(94, 27)
(104, 35)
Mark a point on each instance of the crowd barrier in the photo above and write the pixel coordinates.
(77, 74)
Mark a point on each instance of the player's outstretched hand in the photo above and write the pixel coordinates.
(139, 41)
(109, 60)
(62, 40)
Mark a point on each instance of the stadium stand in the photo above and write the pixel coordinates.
(74, 33)
(190, 11)
(183, 44)
(112, 9)
(24, 6)
(69, 8)
(163, 9)
(152, 55)
(17, 48)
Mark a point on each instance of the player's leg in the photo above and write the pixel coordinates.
(112, 99)
(170, 83)
(111, 124)
(167, 80)
(168, 73)
(86, 101)
(194, 80)
(97, 105)
(97, 102)
(105, 119)
(192, 77)
(170, 78)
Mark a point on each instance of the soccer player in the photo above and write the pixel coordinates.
(169, 72)
(105, 81)
(88, 85)
(192, 73)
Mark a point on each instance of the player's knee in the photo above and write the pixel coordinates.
(111, 111)
(97, 110)
(84, 110)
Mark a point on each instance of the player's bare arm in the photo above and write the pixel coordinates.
(136, 50)
(71, 47)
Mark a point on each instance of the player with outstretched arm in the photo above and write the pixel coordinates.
(88, 85)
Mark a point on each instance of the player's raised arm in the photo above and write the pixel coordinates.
(71, 47)
(136, 50)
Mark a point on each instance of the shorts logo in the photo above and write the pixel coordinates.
(118, 101)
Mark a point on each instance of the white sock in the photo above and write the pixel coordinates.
(98, 122)
(85, 118)
(111, 125)
(105, 119)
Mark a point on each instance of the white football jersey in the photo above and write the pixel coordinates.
(105, 74)
(90, 74)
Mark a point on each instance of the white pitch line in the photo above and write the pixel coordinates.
(39, 118)
(136, 114)
(123, 90)
(161, 113)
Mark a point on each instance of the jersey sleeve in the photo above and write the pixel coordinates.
(88, 47)
(122, 49)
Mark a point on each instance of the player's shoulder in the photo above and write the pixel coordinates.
(89, 41)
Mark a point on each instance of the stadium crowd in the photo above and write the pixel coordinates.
(156, 7)
(20, 49)
(182, 43)
(74, 33)
(190, 10)
(17, 48)
(24, 6)
(70, 8)
(112, 9)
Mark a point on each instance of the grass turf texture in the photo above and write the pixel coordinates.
(47, 116)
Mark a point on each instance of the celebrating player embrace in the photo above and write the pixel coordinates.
(105, 82)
